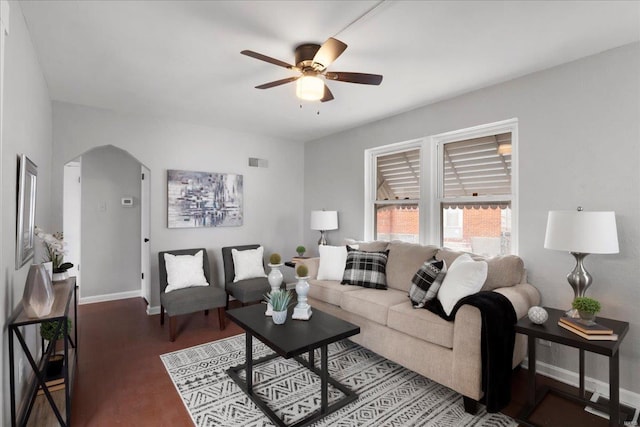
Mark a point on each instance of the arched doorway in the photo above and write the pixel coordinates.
(106, 224)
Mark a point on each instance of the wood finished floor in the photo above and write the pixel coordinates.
(121, 380)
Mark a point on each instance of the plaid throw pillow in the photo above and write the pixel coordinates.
(366, 269)
(426, 282)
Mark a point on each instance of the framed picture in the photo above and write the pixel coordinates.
(203, 199)
(27, 186)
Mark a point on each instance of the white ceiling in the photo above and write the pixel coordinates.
(181, 59)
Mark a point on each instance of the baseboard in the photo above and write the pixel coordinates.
(109, 297)
(571, 378)
(153, 310)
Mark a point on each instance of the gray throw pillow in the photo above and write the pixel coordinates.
(426, 282)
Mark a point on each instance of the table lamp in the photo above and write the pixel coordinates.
(581, 233)
(323, 221)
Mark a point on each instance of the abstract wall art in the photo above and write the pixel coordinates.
(203, 199)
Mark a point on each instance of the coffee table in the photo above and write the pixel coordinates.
(291, 340)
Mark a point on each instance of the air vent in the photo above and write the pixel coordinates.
(258, 163)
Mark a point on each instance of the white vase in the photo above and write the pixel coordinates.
(279, 317)
(275, 276)
(275, 280)
(63, 275)
(302, 311)
(49, 267)
(38, 297)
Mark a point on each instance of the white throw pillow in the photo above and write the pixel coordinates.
(184, 271)
(464, 277)
(333, 260)
(248, 263)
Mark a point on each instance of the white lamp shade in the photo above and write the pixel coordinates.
(584, 232)
(324, 220)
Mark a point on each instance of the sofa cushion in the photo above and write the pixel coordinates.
(332, 262)
(329, 291)
(373, 246)
(404, 260)
(465, 277)
(366, 269)
(421, 324)
(372, 304)
(426, 282)
(505, 270)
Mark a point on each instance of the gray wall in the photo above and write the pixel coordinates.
(26, 128)
(110, 244)
(579, 128)
(272, 196)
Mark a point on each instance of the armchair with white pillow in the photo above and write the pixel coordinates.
(244, 276)
(185, 286)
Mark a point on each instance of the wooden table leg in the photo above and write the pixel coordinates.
(614, 390)
(249, 362)
(581, 392)
(531, 386)
(324, 379)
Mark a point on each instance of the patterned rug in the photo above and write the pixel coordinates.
(389, 395)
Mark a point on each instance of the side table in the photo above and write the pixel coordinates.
(550, 331)
(65, 306)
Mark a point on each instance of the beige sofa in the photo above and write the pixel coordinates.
(446, 352)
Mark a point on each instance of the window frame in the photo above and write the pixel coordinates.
(431, 179)
(370, 187)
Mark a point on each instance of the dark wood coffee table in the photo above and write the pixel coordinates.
(293, 339)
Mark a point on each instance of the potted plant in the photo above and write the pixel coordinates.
(274, 277)
(280, 301)
(301, 250)
(302, 311)
(55, 251)
(302, 271)
(275, 259)
(587, 307)
(48, 332)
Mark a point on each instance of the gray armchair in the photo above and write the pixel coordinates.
(245, 291)
(189, 300)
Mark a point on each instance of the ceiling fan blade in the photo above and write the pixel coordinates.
(362, 78)
(278, 82)
(329, 52)
(266, 58)
(328, 96)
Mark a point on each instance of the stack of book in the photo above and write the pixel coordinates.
(587, 329)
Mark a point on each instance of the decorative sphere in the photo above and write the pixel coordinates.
(538, 315)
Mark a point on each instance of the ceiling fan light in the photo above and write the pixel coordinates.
(310, 88)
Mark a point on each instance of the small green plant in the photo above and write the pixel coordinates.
(302, 270)
(275, 258)
(279, 300)
(586, 305)
(301, 250)
(48, 330)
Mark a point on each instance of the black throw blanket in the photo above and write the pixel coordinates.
(498, 337)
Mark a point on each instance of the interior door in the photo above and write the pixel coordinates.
(145, 228)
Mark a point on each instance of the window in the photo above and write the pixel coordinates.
(475, 192)
(396, 205)
(465, 201)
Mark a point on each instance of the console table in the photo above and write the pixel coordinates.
(552, 332)
(65, 295)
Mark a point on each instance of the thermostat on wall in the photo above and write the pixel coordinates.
(127, 202)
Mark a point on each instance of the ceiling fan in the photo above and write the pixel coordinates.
(312, 61)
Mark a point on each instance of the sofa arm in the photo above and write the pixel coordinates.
(312, 264)
(467, 358)
(523, 296)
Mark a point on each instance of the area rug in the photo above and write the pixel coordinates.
(389, 395)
